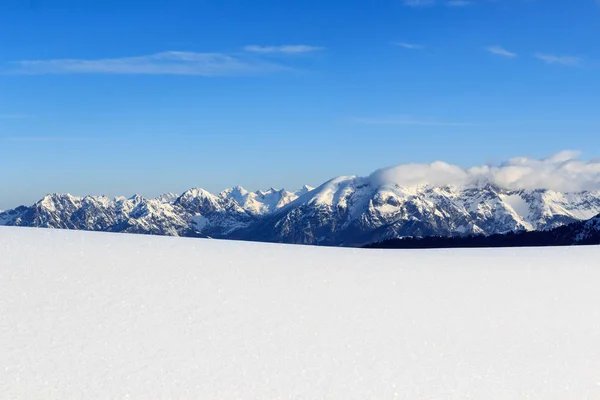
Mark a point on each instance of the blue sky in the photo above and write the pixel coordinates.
(156, 96)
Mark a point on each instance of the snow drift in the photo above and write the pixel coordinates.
(99, 315)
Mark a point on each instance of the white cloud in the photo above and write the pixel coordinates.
(500, 51)
(285, 49)
(563, 60)
(165, 63)
(563, 171)
(409, 46)
(458, 3)
(405, 120)
(418, 3)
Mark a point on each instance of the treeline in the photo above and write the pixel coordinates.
(562, 236)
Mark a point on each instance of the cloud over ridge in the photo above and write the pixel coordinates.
(563, 171)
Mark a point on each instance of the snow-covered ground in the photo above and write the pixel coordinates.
(97, 315)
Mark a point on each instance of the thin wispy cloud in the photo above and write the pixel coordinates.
(165, 63)
(409, 46)
(429, 3)
(285, 49)
(418, 3)
(562, 60)
(500, 51)
(406, 121)
(459, 3)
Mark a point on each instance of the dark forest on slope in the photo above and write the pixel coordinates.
(578, 233)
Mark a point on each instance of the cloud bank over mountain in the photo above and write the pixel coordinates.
(563, 171)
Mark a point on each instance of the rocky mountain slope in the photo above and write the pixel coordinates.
(196, 212)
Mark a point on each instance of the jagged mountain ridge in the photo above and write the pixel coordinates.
(196, 212)
(349, 211)
(354, 211)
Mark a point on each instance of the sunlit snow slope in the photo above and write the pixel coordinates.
(98, 315)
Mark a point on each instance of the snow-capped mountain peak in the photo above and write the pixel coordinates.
(347, 210)
(167, 197)
(303, 190)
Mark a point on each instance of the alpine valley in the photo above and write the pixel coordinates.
(346, 211)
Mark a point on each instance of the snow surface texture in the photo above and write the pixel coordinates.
(100, 315)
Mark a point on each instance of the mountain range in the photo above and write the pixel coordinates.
(345, 211)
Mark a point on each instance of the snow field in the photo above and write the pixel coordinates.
(97, 315)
